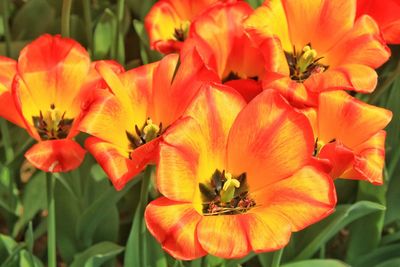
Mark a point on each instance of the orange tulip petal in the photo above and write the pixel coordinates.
(174, 224)
(53, 69)
(386, 14)
(223, 42)
(8, 68)
(269, 140)
(266, 231)
(355, 121)
(192, 143)
(248, 88)
(361, 45)
(295, 93)
(116, 163)
(369, 160)
(303, 199)
(355, 77)
(56, 155)
(340, 157)
(223, 236)
(107, 120)
(176, 81)
(331, 19)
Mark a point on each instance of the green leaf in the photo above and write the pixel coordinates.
(359, 243)
(33, 201)
(97, 212)
(7, 244)
(311, 239)
(96, 255)
(319, 263)
(29, 239)
(146, 53)
(377, 256)
(104, 34)
(255, 3)
(139, 7)
(27, 259)
(390, 263)
(32, 20)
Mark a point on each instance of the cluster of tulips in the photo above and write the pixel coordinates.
(249, 117)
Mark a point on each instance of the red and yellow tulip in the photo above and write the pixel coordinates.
(168, 22)
(128, 119)
(386, 14)
(322, 47)
(349, 134)
(236, 178)
(223, 44)
(52, 81)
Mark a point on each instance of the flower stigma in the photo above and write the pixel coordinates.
(302, 65)
(225, 195)
(145, 134)
(52, 124)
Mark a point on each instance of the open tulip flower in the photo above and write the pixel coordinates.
(225, 47)
(168, 22)
(236, 178)
(348, 133)
(128, 119)
(387, 15)
(322, 47)
(52, 79)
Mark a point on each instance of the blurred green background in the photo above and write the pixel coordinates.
(96, 225)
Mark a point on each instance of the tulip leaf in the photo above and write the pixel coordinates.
(317, 262)
(32, 19)
(146, 53)
(104, 34)
(359, 243)
(311, 239)
(378, 256)
(390, 263)
(33, 200)
(96, 255)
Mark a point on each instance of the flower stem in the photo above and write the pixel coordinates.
(51, 222)
(119, 35)
(276, 258)
(88, 23)
(7, 34)
(5, 133)
(65, 18)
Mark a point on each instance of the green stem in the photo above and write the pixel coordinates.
(276, 259)
(7, 34)
(386, 85)
(65, 18)
(393, 163)
(137, 236)
(88, 23)
(51, 222)
(120, 21)
(9, 152)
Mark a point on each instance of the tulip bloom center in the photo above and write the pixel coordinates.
(304, 63)
(180, 34)
(52, 124)
(145, 134)
(225, 194)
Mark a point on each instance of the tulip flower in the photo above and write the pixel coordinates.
(236, 178)
(8, 69)
(128, 120)
(168, 22)
(321, 47)
(52, 80)
(223, 44)
(349, 134)
(386, 14)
